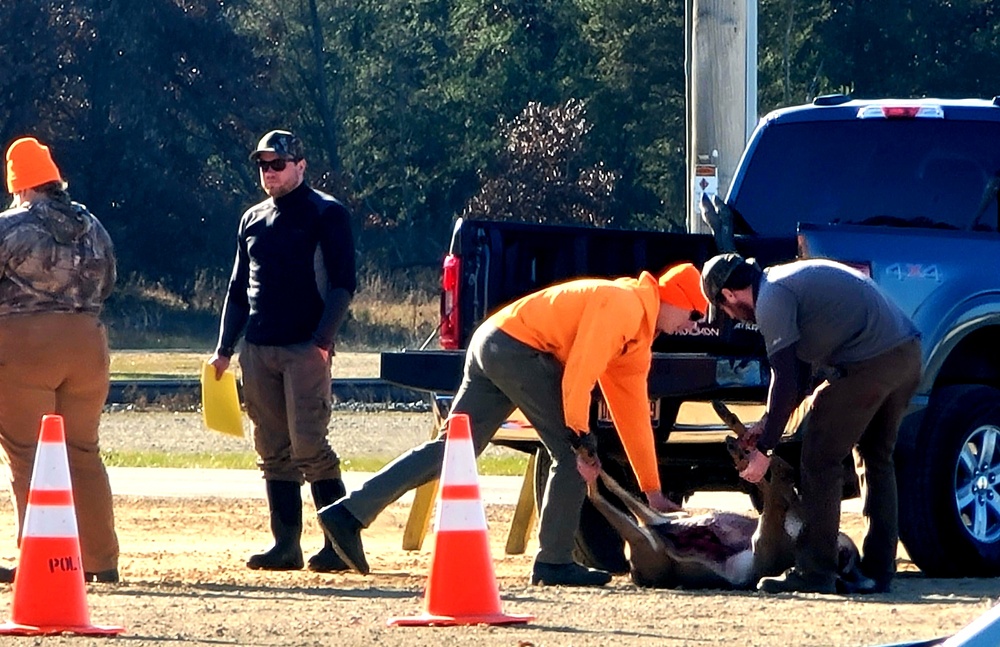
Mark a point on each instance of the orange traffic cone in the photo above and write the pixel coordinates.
(462, 589)
(49, 591)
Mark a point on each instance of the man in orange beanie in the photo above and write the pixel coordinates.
(544, 354)
(57, 267)
(29, 164)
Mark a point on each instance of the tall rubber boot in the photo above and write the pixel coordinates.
(284, 499)
(327, 560)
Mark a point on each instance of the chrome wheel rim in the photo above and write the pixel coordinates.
(977, 483)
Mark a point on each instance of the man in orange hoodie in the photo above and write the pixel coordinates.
(543, 354)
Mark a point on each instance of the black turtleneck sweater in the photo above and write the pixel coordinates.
(294, 273)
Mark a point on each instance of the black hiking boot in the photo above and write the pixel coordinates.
(327, 560)
(344, 532)
(571, 574)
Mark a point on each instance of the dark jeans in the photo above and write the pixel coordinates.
(863, 408)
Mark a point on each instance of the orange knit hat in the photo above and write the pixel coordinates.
(680, 286)
(29, 164)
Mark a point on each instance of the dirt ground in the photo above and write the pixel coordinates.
(185, 584)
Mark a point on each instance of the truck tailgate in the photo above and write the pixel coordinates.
(694, 376)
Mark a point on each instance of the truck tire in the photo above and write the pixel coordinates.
(598, 545)
(949, 485)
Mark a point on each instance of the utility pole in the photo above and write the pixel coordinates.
(721, 69)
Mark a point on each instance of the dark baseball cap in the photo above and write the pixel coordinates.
(282, 143)
(716, 272)
(714, 276)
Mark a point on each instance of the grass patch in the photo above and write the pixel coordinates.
(173, 364)
(487, 465)
(136, 365)
(227, 460)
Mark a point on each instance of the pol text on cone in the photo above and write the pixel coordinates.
(50, 595)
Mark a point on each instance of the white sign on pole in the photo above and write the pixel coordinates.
(706, 181)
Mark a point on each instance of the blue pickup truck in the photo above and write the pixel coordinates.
(904, 190)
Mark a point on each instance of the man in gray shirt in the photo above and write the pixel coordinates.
(820, 318)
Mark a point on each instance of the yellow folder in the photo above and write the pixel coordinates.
(220, 403)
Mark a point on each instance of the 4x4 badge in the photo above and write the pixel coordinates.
(909, 271)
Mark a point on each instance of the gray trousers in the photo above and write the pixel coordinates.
(501, 374)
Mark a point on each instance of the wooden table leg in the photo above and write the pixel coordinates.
(420, 516)
(524, 514)
(423, 506)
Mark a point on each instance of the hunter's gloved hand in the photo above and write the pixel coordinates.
(584, 444)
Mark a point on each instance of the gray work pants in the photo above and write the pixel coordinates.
(863, 408)
(501, 374)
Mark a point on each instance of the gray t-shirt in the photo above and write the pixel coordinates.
(834, 314)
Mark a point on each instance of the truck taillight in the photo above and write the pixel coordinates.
(450, 274)
(901, 111)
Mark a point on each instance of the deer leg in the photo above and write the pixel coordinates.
(643, 512)
(633, 533)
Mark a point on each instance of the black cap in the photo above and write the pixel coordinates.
(282, 143)
(714, 276)
(716, 272)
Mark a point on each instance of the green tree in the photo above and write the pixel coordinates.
(366, 79)
(638, 105)
(892, 48)
(789, 69)
(149, 107)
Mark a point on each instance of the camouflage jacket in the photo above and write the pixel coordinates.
(54, 257)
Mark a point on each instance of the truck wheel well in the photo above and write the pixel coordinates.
(975, 360)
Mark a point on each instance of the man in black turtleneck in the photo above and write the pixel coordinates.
(292, 282)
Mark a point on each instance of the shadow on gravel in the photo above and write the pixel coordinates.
(243, 591)
(907, 588)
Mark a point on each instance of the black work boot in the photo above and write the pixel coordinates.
(344, 530)
(571, 574)
(284, 499)
(794, 580)
(109, 576)
(327, 560)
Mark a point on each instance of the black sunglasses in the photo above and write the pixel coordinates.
(275, 164)
(695, 316)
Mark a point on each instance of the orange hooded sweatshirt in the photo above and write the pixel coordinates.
(602, 331)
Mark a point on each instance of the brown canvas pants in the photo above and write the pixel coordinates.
(58, 363)
(861, 409)
(287, 390)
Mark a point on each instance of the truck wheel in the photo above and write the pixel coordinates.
(949, 485)
(598, 545)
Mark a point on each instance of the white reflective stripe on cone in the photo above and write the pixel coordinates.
(455, 470)
(51, 468)
(462, 514)
(57, 521)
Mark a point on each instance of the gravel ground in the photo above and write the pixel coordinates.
(185, 583)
